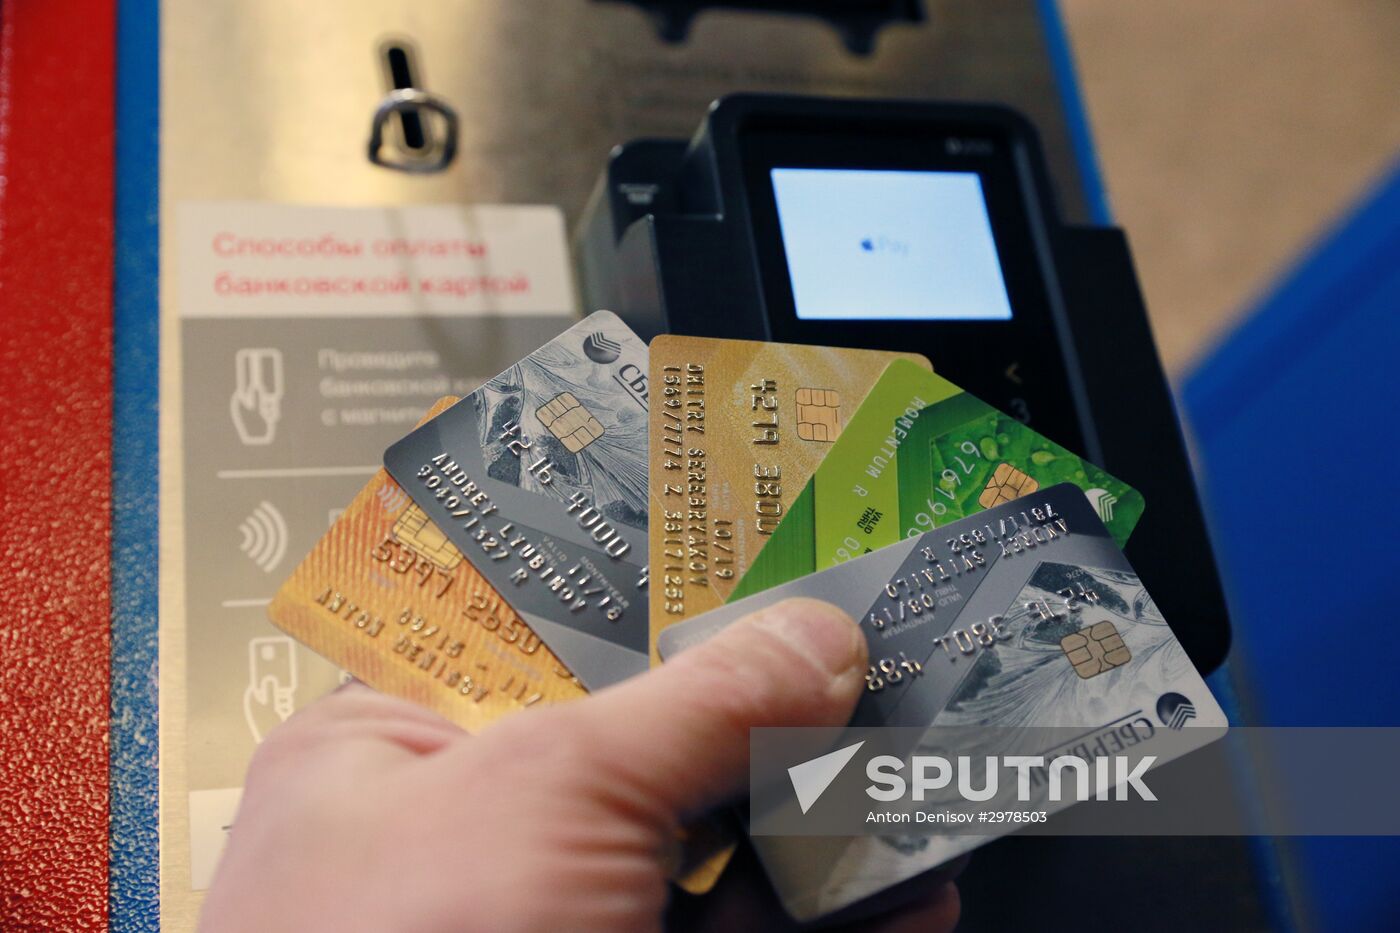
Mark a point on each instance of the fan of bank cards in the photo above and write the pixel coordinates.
(602, 505)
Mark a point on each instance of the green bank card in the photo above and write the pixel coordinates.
(918, 454)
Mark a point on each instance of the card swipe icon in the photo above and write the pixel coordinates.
(811, 778)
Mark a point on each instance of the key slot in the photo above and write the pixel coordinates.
(401, 73)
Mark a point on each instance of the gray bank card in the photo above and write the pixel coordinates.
(539, 478)
(1024, 615)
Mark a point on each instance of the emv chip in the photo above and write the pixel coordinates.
(1095, 649)
(818, 414)
(1007, 483)
(414, 530)
(569, 421)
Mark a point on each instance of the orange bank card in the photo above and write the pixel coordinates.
(387, 597)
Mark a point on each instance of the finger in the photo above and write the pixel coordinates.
(354, 707)
(357, 700)
(413, 738)
(678, 736)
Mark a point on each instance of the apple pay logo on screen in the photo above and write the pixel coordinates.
(889, 245)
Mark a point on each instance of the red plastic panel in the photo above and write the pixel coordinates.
(56, 113)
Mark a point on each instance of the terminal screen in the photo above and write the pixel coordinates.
(887, 245)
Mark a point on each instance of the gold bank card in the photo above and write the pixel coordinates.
(737, 428)
(387, 597)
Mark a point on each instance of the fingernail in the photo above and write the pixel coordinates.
(820, 631)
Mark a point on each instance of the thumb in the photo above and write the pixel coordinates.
(679, 735)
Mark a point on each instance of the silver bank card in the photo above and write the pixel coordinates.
(1024, 615)
(539, 478)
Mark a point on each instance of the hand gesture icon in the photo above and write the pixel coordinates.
(256, 403)
(269, 698)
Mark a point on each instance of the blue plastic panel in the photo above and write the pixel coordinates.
(134, 885)
(1297, 416)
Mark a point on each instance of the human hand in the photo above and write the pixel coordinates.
(365, 812)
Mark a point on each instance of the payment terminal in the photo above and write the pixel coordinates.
(918, 226)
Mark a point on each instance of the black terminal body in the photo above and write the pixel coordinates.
(689, 237)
